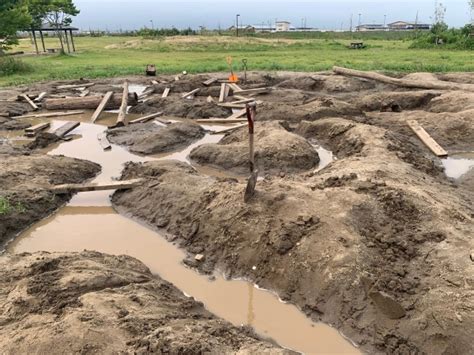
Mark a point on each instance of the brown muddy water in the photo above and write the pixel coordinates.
(89, 222)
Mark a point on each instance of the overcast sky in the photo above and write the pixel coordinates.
(323, 14)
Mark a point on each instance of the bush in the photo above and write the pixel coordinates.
(147, 32)
(10, 66)
(440, 36)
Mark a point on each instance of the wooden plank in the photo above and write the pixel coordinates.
(104, 142)
(40, 96)
(31, 131)
(146, 118)
(227, 130)
(238, 114)
(166, 92)
(154, 82)
(221, 120)
(122, 115)
(146, 93)
(209, 82)
(210, 99)
(224, 92)
(66, 128)
(255, 91)
(51, 114)
(427, 139)
(115, 185)
(74, 86)
(101, 106)
(235, 87)
(191, 93)
(31, 103)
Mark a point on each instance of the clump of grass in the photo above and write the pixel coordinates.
(6, 206)
(10, 66)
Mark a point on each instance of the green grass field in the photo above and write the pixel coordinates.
(115, 56)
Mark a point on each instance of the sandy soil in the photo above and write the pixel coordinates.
(96, 303)
(377, 243)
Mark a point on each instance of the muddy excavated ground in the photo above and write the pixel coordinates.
(354, 220)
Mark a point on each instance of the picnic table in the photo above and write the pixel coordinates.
(357, 45)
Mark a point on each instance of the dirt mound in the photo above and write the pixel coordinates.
(276, 151)
(9, 124)
(395, 101)
(370, 244)
(327, 83)
(178, 107)
(95, 303)
(149, 138)
(316, 109)
(466, 78)
(23, 188)
(421, 77)
(452, 101)
(42, 140)
(11, 109)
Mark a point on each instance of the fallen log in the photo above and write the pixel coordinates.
(88, 102)
(146, 118)
(122, 115)
(101, 106)
(66, 128)
(427, 139)
(31, 131)
(435, 85)
(116, 185)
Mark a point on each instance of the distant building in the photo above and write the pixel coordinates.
(282, 26)
(407, 26)
(371, 27)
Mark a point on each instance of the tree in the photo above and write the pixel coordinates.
(14, 17)
(471, 7)
(57, 13)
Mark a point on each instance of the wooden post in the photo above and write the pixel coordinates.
(42, 41)
(36, 43)
(72, 41)
(101, 106)
(121, 118)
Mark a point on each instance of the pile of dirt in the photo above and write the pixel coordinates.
(12, 124)
(11, 109)
(452, 101)
(327, 83)
(149, 138)
(371, 244)
(42, 140)
(24, 182)
(95, 303)
(276, 151)
(179, 107)
(395, 101)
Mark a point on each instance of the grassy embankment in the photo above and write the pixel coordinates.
(115, 56)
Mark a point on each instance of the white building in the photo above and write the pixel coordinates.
(282, 26)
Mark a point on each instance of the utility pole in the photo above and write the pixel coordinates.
(360, 20)
(384, 20)
(350, 25)
(152, 25)
(237, 24)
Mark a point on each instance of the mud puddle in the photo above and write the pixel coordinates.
(457, 165)
(240, 302)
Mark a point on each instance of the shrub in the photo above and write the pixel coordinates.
(10, 66)
(441, 36)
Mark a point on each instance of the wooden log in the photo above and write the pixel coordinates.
(101, 106)
(427, 139)
(166, 92)
(115, 185)
(32, 131)
(146, 118)
(191, 93)
(221, 120)
(88, 102)
(66, 128)
(104, 141)
(255, 91)
(40, 97)
(418, 84)
(51, 114)
(209, 82)
(227, 130)
(74, 86)
(122, 115)
(31, 103)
